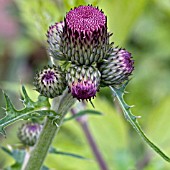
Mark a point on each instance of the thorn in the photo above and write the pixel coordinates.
(9, 147)
(132, 106)
(126, 92)
(138, 117)
(3, 108)
(56, 124)
(91, 103)
(21, 100)
(2, 131)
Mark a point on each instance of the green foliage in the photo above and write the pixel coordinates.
(17, 155)
(39, 15)
(31, 109)
(121, 17)
(81, 113)
(109, 132)
(118, 92)
(55, 151)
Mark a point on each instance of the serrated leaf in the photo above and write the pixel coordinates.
(27, 101)
(31, 108)
(118, 93)
(83, 112)
(55, 151)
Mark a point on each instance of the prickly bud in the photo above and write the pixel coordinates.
(116, 68)
(54, 35)
(29, 132)
(85, 39)
(50, 81)
(83, 81)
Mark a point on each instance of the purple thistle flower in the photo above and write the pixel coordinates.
(29, 132)
(50, 81)
(82, 38)
(116, 68)
(83, 81)
(85, 19)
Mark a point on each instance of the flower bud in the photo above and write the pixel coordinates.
(54, 35)
(50, 81)
(29, 132)
(116, 68)
(83, 81)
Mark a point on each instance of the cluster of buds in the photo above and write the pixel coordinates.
(82, 41)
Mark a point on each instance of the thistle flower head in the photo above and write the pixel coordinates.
(54, 34)
(84, 37)
(83, 82)
(50, 81)
(116, 68)
(85, 19)
(29, 132)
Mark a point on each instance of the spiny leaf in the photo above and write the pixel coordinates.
(81, 113)
(55, 151)
(118, 93)
(9, 105)
(27, 101)
(38, 108)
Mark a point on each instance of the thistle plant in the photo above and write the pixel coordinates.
(84, 60)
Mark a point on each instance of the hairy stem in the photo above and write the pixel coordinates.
(49, 131)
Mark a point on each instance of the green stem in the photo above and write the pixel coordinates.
(118, 92)
(49, 131)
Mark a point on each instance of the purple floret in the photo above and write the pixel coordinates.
(83, 90)
(85, 19)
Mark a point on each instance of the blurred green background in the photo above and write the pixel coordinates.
(143, 28)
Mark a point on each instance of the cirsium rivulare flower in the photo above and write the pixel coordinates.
(82, 37)
(50, 81)
(83, 81)
(29, 132)
(54, 34)
(116, 68)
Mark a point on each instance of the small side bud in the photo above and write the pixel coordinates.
(116, 68)
(29, 132)
(54, 35)
(50, 81)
